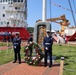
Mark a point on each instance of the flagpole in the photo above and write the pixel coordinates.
(44, 10)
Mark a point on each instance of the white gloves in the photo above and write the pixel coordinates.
(14, 46)
(46, 48)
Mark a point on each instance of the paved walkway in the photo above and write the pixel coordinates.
(25, 69)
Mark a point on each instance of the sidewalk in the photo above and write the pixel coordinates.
(25, 69)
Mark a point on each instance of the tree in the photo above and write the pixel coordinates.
(30, 29)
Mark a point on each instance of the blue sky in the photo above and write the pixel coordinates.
(35, 11)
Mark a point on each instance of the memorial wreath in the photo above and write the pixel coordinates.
(36, 56)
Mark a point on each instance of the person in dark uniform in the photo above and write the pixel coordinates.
(30, 40)
(47, 42)
(17, 47)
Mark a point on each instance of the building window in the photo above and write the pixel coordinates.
(21, 0)
(14, 0)
(18, 24)
(11, 2)
(17, 8)
(1, 23)
(4, 0)
(7, 23)
(3, 7)
(3, 15)
(18, 0)
(0, 1)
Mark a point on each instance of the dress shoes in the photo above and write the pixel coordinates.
(19, 62)
(50, 66)
(14, 61)
(45, 65)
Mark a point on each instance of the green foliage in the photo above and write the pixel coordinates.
(5, 44)
(30, 29)
(8, 55)
(69, 53)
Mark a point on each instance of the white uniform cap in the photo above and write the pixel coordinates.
(17, 33)
(48, 31)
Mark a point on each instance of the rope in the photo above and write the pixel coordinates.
(72, 12)
(60, 6)
(74, 5)
(50, 12)
(50, 8)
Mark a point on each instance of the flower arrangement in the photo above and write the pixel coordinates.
(36, 56)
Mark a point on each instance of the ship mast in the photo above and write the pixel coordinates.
(44, 11)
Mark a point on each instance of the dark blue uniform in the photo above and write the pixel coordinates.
(17, 47)
(47, 42)
(30, 40)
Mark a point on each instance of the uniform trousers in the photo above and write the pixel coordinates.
(46, 55)
(17, 54)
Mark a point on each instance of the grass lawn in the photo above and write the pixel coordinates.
(8, 55)
(5, 44)
(69, 53)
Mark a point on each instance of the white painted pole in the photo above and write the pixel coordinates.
(44, 11)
